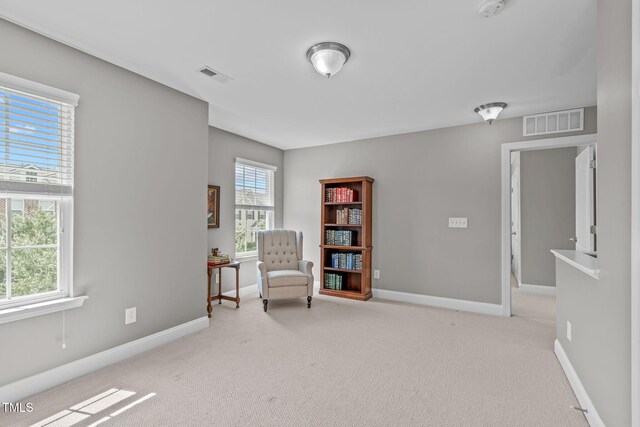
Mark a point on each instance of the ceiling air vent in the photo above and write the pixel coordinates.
(556, 122)
(214, 74)
(208, 72)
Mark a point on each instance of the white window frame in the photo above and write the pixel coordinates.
(268, 167)
(64, 246)
(63, 298)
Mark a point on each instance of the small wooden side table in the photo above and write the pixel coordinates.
(220, 297)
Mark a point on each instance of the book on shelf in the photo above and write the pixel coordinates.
(339, 237)
(346, 261)
(333, 281)
(349, 216)
(340, 195)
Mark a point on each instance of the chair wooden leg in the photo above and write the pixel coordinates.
(264, 303)
(309, 302)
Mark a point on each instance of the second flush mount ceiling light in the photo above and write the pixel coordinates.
(328, 57)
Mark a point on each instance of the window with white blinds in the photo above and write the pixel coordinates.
(36, 143)
(255, 203)
(36, 191)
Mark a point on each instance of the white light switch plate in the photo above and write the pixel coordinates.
(457, 222)
(376, 274)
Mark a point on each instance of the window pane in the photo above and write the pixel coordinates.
(247, 227)
(3, 274)
(36, 226)
(38, 136)
(34, 271)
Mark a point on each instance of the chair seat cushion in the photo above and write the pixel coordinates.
(279, 278)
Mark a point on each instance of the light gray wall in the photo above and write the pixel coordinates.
(599, 310)
(224, 147)
(547, 211)
(421, 179)
(139, 233)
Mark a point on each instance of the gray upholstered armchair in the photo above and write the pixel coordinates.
(282, 273)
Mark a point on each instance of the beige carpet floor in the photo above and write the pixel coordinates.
(341, 363)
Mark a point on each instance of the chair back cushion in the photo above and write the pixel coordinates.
(280, 249)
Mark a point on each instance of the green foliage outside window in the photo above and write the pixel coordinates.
(33, 270)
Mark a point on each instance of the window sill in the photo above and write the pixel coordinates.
(246, 258)
(40, 308)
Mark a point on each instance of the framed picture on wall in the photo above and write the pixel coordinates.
(213, 206)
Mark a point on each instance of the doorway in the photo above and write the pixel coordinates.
(507, 227)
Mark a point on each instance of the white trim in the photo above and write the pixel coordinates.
(257, 164)
(40, 309)
(450, 303)
(29, 386)
(38, 89)
(537, 289)
(506, 149)
(592, 416)
(583, 262)
(635, 213)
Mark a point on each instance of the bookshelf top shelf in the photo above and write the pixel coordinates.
(343, 225)
(343, 180)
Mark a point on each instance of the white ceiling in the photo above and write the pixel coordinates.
(415, 64)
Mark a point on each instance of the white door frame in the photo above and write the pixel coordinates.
(506, 150)
(518, 233)
(635, 213)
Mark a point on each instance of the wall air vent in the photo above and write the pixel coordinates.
(214, 74)
(556, 122)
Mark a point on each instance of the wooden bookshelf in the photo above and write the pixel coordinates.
(355, 284)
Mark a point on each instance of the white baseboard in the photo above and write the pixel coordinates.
(29, 386)
(538, 289)
(450, 303)
(592, 416)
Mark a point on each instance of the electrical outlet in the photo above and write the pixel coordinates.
(376, 274)
(568, 330)
(457, 222)
(130, 315)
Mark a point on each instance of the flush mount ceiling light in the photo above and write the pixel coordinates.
(328, 57)
(490, 111)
